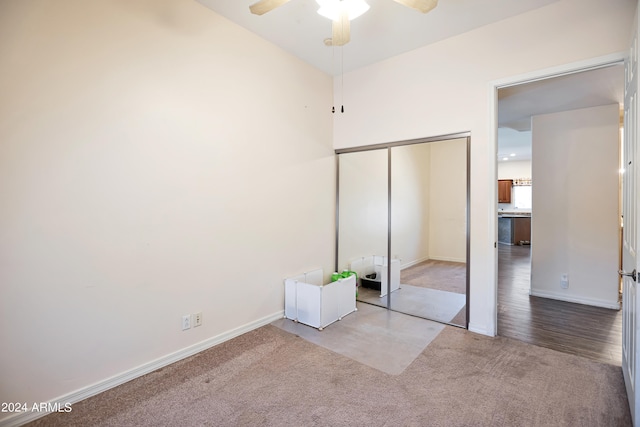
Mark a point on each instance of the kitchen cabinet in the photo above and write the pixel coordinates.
(504, 190)
(521, 231)
(514, 229)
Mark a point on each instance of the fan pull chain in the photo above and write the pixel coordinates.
(342, 77)
(333, 67)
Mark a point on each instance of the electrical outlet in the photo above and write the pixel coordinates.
(186, 322)
(197, 319)
(564, 281)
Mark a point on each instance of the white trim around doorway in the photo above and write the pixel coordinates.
(558, 71)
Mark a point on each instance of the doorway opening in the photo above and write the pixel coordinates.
(557, 258)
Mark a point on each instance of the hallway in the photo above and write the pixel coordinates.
(591, 332)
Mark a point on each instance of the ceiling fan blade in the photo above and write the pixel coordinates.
(423, 6)
(341, 30)
(264, 6)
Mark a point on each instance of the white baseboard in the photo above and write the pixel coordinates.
(412, 263)
(441, 258)
(418, 261)
(480, 329)
(614, 305)
(76, 396)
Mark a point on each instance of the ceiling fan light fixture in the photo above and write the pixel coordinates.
(332, 9)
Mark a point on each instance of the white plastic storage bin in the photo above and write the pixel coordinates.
(307, 301)
(378, 264)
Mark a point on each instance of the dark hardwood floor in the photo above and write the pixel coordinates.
(592, 332)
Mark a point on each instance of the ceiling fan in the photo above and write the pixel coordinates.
(341, 12)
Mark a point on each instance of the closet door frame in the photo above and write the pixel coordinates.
(388, 146)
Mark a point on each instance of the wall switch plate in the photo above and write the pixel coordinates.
(564, 281)
(186, 322)
(197, 319)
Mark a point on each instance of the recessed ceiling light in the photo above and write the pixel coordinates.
(505, 158)
(512, 154)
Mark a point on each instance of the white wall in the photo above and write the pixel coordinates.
(155, 160)
(575, 199)
(446, 87)
(448, 201)
(514, 170)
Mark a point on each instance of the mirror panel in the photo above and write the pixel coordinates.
(429, 229)
(363, 218)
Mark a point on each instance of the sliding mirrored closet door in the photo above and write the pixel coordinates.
(407, 239)
(428, 229)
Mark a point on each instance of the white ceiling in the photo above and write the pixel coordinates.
(592, 88)
(516, 104)
(389, 29)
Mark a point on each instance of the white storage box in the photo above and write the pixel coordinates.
(378, 264)
(307, 301)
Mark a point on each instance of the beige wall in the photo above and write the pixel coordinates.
(364, 195)
(410, 207)
(448, 87)
(575, 202)
(155, 160)
(448, 201)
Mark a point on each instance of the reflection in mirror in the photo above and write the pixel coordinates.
(429, 229)
(363, 215)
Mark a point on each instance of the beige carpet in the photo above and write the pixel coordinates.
(442, 276)
(270, 377)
